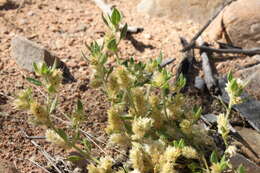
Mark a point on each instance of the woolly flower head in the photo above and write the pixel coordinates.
(189, 152)
(141, 126)
(113, 86)
(234, 88)
(231, 150)
(171, 154)
(139, 101)
(23, 99)
(106, 164)
(124, 77)
(53, 137)
(119, 139)
(93, 169)
(136, 157)
(168, 167)
(114, 121)
(39, 112)
(185, 126)
(158, 79)
(154, 149)
(223, 124)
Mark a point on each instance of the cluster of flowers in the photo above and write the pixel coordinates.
(148, 114)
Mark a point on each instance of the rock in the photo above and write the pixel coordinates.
(3, 2)
(199, 83)
(252, 137)
(251, 74)
(25, 52)
(198, 10)
(249, 166)
(148, 36)
(30, 13)
(238, 24)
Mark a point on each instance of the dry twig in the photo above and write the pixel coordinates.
(198, 34)
(209, 78)
(234, 50)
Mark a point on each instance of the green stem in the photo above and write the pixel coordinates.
(86, 156)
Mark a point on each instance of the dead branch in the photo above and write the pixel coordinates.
(167, 62)
(209, 78)
(198, 34)
(186, 62)
(234, 50)
(106, 9)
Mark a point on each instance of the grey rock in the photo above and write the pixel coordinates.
(199, 83)
(251, 137)
(238, 24)
(249, 166)
(252, 75)
(25, 52)
(196, 10)
(211, 118)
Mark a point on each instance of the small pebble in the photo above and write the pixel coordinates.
(148, 36)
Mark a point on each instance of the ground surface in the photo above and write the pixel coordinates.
(63, 26)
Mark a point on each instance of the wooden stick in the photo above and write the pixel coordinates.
(209, 78)
(186, 61)
(108, 10)
(239, 51)
(167, 62)
(193, 40)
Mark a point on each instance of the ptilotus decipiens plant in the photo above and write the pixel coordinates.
(148, 115)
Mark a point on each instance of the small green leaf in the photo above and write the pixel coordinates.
(105, 19)
(74, 158)
(197, 113)
(241, 169)
(179, 144)
(112, 45)
(123, 32)
(62, 134)
(115, 17)
(103, 58)
(213, 157)
(35, 67)
(84, 56)
(34, 81)
(44, 69)
(229, 76)
(79, 106)
(53, 104)
(87, 145)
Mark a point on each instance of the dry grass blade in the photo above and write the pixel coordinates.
(47, 156)
(37, 164)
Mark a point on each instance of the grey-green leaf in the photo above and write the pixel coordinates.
(123, 32)
(34, 81)
(115, 17)
(53, 104)
(112, 45)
